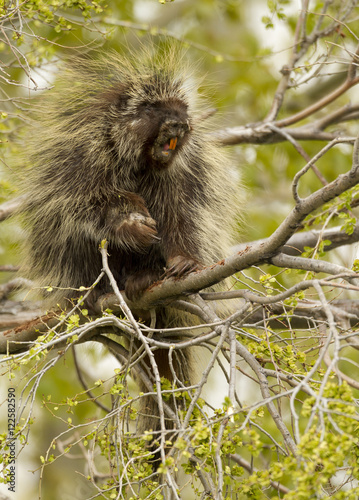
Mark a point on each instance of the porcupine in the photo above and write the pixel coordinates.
(119, 152)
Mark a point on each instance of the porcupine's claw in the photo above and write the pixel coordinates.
(180, 265)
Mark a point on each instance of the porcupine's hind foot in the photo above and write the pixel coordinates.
(180, 265)
(138, 282)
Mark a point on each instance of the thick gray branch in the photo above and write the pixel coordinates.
(297, 243)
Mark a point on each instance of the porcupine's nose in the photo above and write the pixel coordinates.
(172, 128)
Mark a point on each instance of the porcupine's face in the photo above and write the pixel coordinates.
(165, 127)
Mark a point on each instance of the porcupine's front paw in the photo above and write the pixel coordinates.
(137, 231)
(180, 265)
